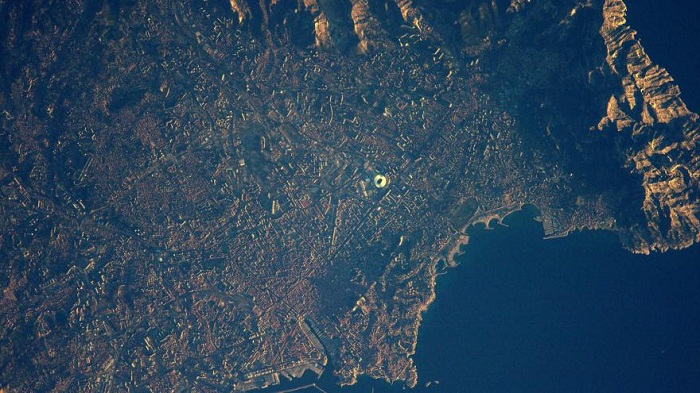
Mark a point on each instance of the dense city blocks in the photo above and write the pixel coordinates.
(218, 195)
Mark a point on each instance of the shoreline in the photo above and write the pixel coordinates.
(454, 248)
(471, 285)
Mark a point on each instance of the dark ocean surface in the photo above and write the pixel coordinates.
(577, 314)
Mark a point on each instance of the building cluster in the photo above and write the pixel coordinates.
(208, 213)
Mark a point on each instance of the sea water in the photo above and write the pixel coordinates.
(523, 314)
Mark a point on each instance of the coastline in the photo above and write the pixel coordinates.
(508, 303)
(664, 99)
(454, 248)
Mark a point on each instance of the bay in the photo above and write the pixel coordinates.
(575, 314)
(572, 314)
(525, 314)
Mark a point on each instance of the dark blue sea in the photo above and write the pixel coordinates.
(577, 314)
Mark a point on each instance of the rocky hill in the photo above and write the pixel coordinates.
(188, 193)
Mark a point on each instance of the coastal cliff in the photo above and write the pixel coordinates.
(187, 186)
(663, 136)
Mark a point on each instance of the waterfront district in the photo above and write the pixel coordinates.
(215, 196)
